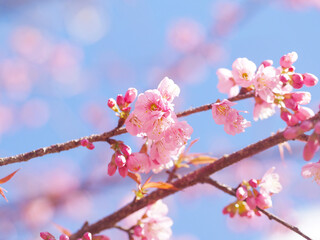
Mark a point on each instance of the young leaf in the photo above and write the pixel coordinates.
(4, 180)
(160, 185)
(135, 177)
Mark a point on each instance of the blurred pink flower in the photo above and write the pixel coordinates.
(312, 170)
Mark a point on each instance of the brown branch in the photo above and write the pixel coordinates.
(97, 137)
(190, 179)
(271, 216)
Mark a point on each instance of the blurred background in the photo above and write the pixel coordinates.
(61, 60)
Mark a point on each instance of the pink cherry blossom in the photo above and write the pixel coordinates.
(304, 113)
(270, 182)
(226, 82)
(220, 111)
(139, 162)
(156, 225)
(263, 110)
(243, 71)
(235, 123)
(265, 82)
(177, 135)
(168, 89)
(312, 170)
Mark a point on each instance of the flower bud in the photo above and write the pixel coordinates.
(242, 193)
(309, 79)
(311, 147)
(125, 149)
(253, 183)
(111, 102)
(90, 146)
(284, 78)
(137, 231)
(287, 60)
(301, 97)
(120, 100)
(317, 128)
(123, 171)
(130, 95)
(291, 104)
(304, 113)
(112, 168)
(64, 237)
(291, 132)
(84, 142)
(120, 160)
(285, 115)
(87, 236)
(47, 236)
(267, 63)
(306, 126)
(264, 201)
(297, 81)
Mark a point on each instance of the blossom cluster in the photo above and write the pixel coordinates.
(154, 224)
(272, 86)
(231, 119)
(86, 236)
(254, 193)
(153, 118)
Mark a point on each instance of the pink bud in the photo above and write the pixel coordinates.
(251, 201)
(120, 160)
(241, 193)
(267, 63)
(87, 236)
(293, 120)
(120, 100)
(291, 69)
(123, 171)
(126, 109)
(306, 126)
(112, 168)
(130, 95)
(309, 79)
(84, 142)
(304, 113)
(285, 115)
(125, 149)
(138, 231)
(301, 97)
(311, 147)
(291, 104)
(297, 80)
(317, 128)
(291, 132)
(264, 201)
(111, 102)
(284, 78)
(253, 183)
(64, 237)
(47, 236)
(90, 146)
(287, 60)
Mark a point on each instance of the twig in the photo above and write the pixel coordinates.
(271, 216)
(190, 179)
(96, 137)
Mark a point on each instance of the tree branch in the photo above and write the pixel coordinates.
(98, 137)
(271, 216)
(188, 180)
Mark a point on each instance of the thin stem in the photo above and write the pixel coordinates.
(271, 216)
(188, 180)
(97, 137)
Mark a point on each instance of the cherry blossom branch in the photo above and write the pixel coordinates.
(56, 148)
(188, 180)
(232, 191)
